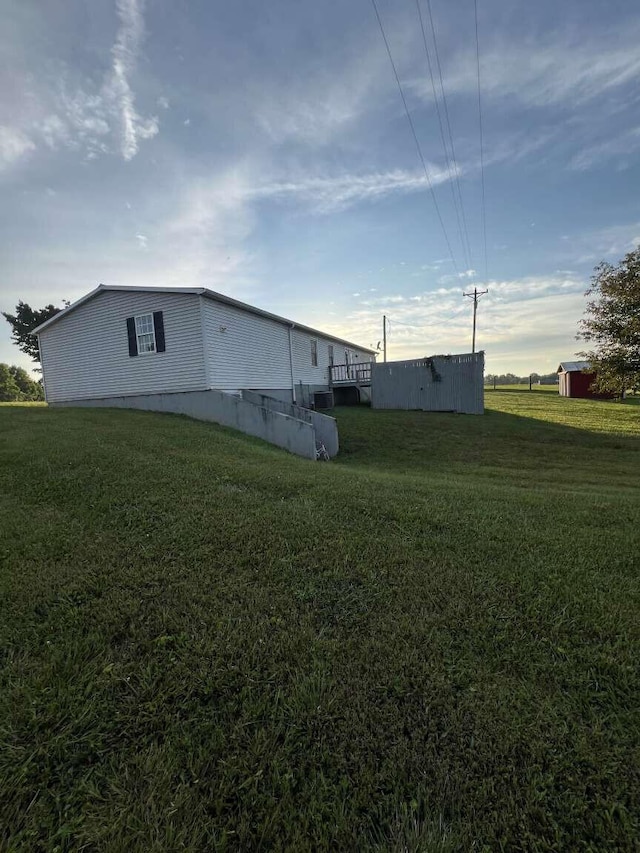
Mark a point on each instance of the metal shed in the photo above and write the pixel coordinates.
(438, 383)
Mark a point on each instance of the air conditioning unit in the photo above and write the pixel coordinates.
(323, 400)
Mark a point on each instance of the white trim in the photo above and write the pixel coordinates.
(145, 334)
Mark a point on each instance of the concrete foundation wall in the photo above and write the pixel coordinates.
(283, 394)
(326, 428)
(293, 434)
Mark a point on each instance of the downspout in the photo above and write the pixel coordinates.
(293, 386)
(205, 349)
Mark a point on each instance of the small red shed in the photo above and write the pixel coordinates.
(575, 379)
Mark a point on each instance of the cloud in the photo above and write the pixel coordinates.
(619, 146)
(610, 244)
(531, 319)
(117, 88)
(65, 110)
(204, 237)
(329, 194)
(142, 241)
(14, 144)
(543, 72)
(446, 279)
(327, 100)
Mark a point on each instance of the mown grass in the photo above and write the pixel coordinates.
(523, 386)
(429, 644)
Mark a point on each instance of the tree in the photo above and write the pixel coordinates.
(612, 326)
(30, 389)
(9, 390)
(24, 321)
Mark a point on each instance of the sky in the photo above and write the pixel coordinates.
(263, 150)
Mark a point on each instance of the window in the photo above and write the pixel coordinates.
(314, 353)
(331, 354)
(145, 334)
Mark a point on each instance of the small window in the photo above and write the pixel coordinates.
(331, 354)
(145, 334)
(314, 353)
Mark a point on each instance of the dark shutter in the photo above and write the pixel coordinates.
(131, 334)
(158, 327)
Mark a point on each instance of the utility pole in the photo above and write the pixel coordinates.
(384, 337)
(475, 296)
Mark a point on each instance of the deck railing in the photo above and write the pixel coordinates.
(353, 374)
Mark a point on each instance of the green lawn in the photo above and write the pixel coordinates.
(429, 644)
(524, 386)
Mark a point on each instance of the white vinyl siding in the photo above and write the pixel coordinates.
(245, 350)
(309, 374)
(86, 354)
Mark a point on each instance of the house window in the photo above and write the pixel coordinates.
(314, 353)
(331, 354)
(145, 334)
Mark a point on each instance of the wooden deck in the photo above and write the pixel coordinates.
(350, 374)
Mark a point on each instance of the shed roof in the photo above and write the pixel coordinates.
(573, 366)
(199, 291)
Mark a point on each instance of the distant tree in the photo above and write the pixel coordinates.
(30, 389)
(24, 321)
(9, 390)
(612, 324)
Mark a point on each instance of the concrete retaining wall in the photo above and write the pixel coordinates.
(325, 427)
(293, 434)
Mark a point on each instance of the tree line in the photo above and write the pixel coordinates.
(16, 386)
(512, 379)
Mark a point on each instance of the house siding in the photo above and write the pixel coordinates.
(244, 350)
(304, 371)
(86, 354)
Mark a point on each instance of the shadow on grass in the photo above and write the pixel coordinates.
(516, 444)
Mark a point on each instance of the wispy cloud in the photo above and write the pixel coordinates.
(68, 111)
(540, 73)
(510, 321)
(619, 146)
(328, 194)
(117, 88)
(14, 144)
(609, 244)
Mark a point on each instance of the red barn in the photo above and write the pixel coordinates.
(575, 379)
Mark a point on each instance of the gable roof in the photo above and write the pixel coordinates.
(198, 291)
(573, 366)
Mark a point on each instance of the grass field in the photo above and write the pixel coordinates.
(547, 389)
(429, 644)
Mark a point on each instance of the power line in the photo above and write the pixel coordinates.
(450, 169)
(484, 209)
(450, 133)
(415, 136)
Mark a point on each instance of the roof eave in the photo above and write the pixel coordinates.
(201, 291)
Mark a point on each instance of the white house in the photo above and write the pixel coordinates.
(128, 341)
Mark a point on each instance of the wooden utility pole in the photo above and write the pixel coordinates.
(384, 337)
(475, 296)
